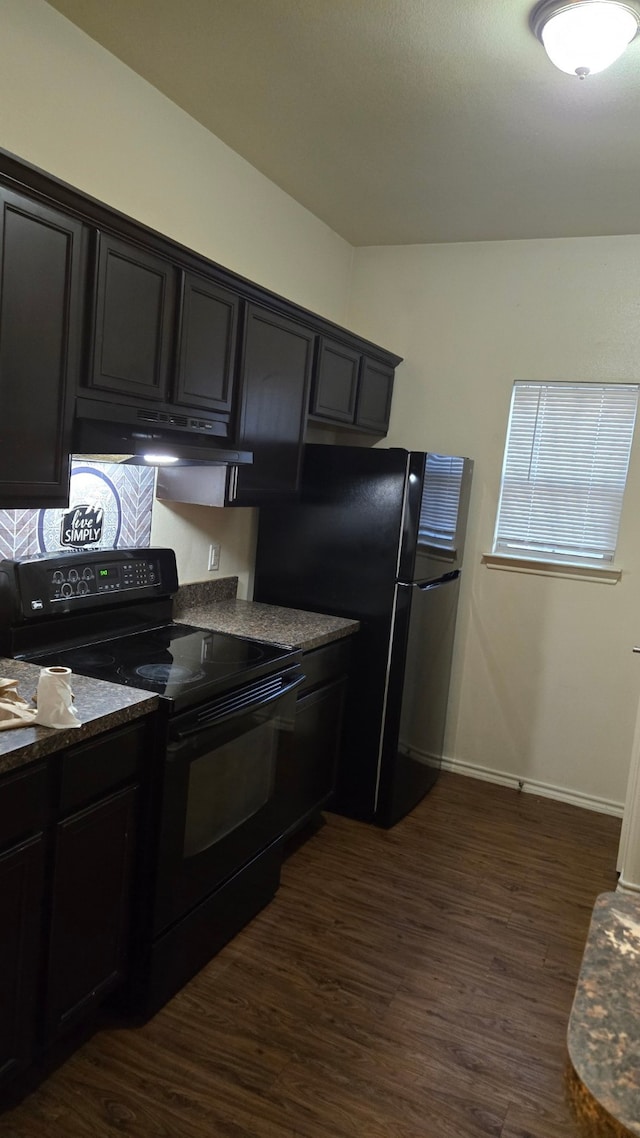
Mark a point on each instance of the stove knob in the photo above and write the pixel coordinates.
(88, 574)
(58, 577)
(83, 588)
(67, 590)
(73, 574)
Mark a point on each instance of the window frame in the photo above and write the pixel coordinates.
(526, 501)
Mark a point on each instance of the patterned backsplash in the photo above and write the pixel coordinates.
(110, 507)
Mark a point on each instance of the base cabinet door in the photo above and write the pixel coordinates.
(90, 915)
(21, 894)
(310, 778)
(41, 276)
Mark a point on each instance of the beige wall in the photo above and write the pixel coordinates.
(545, 686)
(71, 108)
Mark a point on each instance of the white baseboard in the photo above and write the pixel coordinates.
(624, 886)
(532, 786)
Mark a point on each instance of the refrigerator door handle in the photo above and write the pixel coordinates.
(444, 580)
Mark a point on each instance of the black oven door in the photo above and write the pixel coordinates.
(218, 806)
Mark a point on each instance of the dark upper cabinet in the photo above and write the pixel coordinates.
(161, 334)
(375, 389)
(153, 332)
(275, 376)
(335, 382)
(134, 320)
(207, 345)
(41, 290)
(350, 388)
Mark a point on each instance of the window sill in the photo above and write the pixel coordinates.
(551, 568)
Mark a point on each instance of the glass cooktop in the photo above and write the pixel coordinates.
(178, 662)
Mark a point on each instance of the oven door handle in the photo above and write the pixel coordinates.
(238, 709)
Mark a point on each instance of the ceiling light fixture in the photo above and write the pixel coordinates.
(583, 37)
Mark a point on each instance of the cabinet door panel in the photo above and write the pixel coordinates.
(21, 880)
(24, 802)
(207, 345)
(336, 382)
(90, 916)
(134, 320)
(374, 396)
(278, 354)
(309, 777)
(42, 266)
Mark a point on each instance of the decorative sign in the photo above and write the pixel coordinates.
(94, 517)
(82, 526)
(110, 506)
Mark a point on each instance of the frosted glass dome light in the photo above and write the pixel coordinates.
(582, 37)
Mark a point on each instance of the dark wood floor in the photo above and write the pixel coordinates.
(414, 983)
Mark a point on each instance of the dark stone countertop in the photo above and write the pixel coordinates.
(203, 593)
(292, 628)
(100, 706)
(604, 1027)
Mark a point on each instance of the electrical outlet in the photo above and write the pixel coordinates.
(214, 556)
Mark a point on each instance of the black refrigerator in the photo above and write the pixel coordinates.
(378, 535)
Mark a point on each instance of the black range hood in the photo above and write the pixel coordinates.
(145, 435)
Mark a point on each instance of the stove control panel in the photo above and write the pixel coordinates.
(69, 582)
(103, 577)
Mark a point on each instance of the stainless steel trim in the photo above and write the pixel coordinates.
(402, 513)
(233, 484)
(392, 630)
(385, 696)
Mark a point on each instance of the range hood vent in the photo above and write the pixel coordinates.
(149, 436)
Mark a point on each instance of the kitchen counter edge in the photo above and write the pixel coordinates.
(100, 706)
(289, 628)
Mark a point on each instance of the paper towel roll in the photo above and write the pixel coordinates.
(55, 699)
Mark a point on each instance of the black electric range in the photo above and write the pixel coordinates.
(182, 664)
(214, 789)
(108, 616)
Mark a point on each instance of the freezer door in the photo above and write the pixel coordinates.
(418, 695)
(337, 550)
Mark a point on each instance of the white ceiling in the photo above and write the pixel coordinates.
(396, 121)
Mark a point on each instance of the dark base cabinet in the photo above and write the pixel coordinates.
(90, 917)
(67, 868)
(309, 780)
(317, 736)
(23, 818)
(21, 892)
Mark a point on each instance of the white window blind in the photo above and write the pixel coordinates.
(565, 470)
(440, 501)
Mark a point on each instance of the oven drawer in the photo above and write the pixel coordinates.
(100, 765)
